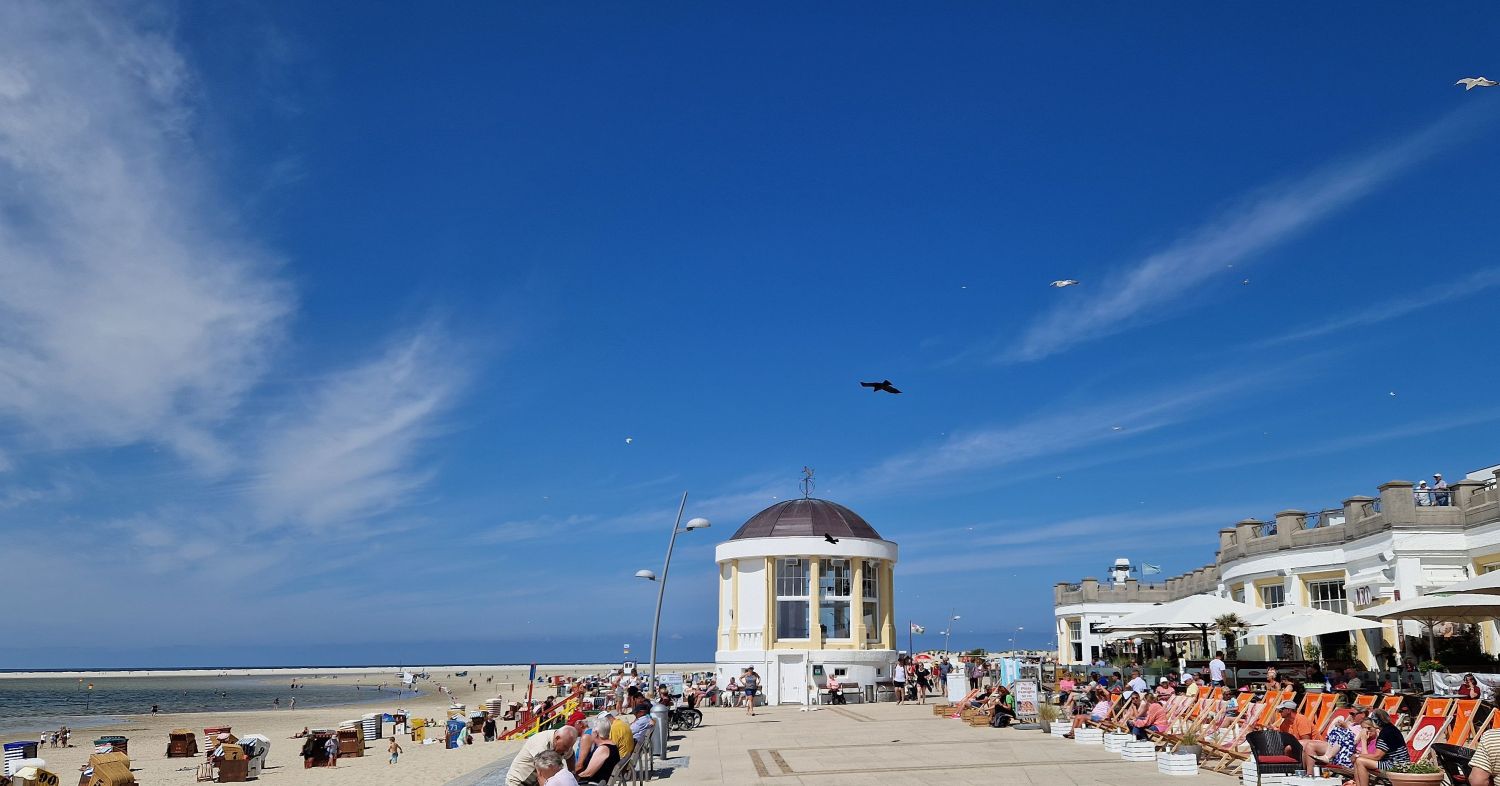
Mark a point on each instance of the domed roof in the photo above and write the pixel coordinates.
(808, 518)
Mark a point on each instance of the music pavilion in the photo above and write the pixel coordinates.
(790, 601)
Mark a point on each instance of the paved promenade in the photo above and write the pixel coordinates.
(878, 745)
(886, 744)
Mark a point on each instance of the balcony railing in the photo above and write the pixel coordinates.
(1433, 498)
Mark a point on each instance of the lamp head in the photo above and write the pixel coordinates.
(645, 574)
(698, 523)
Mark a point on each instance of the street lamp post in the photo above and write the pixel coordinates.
(661, 582)
(1013, 636)
(947, 634)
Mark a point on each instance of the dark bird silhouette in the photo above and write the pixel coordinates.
(830, 538)
(876, 387)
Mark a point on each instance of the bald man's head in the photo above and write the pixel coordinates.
(563, 739)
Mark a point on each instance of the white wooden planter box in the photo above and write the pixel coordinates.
(1088, 736)
(1247, 776)
(1060, 729)
(1115, 742)
(1144, 750)
(1177, 763)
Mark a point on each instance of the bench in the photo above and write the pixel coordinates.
(852, 692)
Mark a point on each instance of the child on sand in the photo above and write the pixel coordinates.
(395, 750)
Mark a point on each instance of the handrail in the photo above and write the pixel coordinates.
(527, 728)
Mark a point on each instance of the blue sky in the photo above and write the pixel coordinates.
(339, 315)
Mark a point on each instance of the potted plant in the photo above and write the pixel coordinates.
(1427, 667)
(1045, 714)
(1417, 773)
(1190, 741)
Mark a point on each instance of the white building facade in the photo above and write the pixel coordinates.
(792, 604)
(1404, 543)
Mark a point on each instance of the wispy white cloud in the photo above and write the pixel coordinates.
(352, 449)
(1149, 289)
(533, 529)
(129, 311)
(1395, 308)
(1421, 429)
(1037, 543)
(1051, 433)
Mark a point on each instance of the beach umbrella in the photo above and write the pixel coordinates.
(1315, 622)
(1194, 612)
(1266, 616)
(1442, 607)
(1483, 584)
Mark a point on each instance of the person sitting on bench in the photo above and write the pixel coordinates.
(835, 690)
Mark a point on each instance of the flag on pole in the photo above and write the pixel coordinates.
(915, 628)
(1148, 569)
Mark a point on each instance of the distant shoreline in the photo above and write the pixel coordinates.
(283, 671)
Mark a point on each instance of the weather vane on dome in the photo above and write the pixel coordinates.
(807, 482)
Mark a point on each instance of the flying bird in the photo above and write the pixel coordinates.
(1246, 282)
(1067, 282)
(876, 387)
(1472, 82)
(1393, 392)
(1112, 428)
(830, 538)
(629, 440)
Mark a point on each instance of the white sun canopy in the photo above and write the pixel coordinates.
(1193, 612)
(1441, 607)
(1483, 584)
(1314, 622)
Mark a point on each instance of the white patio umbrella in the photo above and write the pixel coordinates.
(1314, 622)
(1267, 616)
(1440, 607)
(1483, 584)
(1195, 612)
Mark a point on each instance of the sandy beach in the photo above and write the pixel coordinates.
(420, 764)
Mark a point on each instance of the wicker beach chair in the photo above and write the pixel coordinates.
(1268, 749)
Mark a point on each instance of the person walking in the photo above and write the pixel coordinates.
(394, 749)
(1216, 669)
(751, 685)
(898, 680)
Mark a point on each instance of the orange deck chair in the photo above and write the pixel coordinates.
(1429, 725)
(1461, 730)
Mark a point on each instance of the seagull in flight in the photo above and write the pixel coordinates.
(629, 440)
(830, 538)
(876, 387)
(1472, 82)
(1066, 282)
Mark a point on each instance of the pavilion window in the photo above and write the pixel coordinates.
(870, 584)
(793, 603)
(1328, 596)
(835, 586)
(1273, 596)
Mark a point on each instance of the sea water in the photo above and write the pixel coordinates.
(35, 704)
